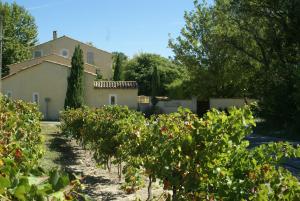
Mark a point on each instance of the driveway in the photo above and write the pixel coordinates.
(292, 164)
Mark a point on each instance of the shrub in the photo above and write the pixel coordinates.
(197, 158)
(21, 147)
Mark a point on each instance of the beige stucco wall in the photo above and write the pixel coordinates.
(46, 79)
(50, 80)
(173, 105)
(95, 97)
(223, 103)
(102, 59)
(13, 68)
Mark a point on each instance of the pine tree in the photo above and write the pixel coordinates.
(155, 85)
(74, 95)
(117, 67)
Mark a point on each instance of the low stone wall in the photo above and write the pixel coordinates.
(173, 105)
(170, 106)
(223, 103)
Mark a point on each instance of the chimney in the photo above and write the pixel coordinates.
(54, 35)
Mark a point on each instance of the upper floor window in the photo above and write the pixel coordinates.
(90, 58)
(98, 74)
(64, 53)
(35, 98)
(37, 53)
(112, 99)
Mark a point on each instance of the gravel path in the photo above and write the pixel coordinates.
(292, 164)
(99, 184)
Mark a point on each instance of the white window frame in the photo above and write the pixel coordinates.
(38, 98)
(116, 98)
(8, 94)
(61, 53)
(41, 51)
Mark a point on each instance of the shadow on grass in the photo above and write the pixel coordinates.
(70, 156)
(60, 144)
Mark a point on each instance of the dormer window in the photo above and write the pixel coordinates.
(90, 57)
(37, 53)
(64, 53)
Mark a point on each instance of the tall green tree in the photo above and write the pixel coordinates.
(20, 34)
(117, 68)
(215, 69)
(119, 60)
(269, 32)
(140, 69)
(245, 48)
(155, 85)
(74, 95)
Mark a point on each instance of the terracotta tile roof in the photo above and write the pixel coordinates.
(116, 84)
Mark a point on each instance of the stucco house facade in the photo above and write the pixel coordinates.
(43, 79)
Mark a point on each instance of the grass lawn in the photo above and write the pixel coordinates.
(52, 155)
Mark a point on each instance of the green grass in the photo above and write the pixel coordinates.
(50, 133)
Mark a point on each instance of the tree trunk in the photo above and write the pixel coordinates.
(120, 171)
(174, 196)
(108, 164)
(150, 188)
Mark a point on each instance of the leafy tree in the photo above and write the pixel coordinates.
(119, 60)
(74, 95)
(20, 34)
(155, 85)
(245, 48)
(117, 68)
(214, 69)
(277, 54)
(140, 69)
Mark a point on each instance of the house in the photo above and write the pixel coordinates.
(43, 79)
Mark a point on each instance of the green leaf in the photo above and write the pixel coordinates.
(4, 182)
(20, 192)
(54, 176)
(62, 182)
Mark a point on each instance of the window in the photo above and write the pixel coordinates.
(90, 58)
(64, 53)
(8, 94)
(98, 74)
(112, 99)
(35, 98)
(38, 53)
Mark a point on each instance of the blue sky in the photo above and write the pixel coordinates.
(129, 26)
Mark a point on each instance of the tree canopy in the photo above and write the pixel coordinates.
(20, 34)
(245, 48)
(119, 60)
(140, 69)
(155, 84)
(74, 95)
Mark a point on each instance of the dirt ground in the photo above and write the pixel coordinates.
(99, 184)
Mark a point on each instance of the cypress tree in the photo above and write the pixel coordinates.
(117, 67)
(74, 95)
(155, 85)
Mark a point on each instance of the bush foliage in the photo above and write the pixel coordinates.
(197, 158)
(21, 147)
